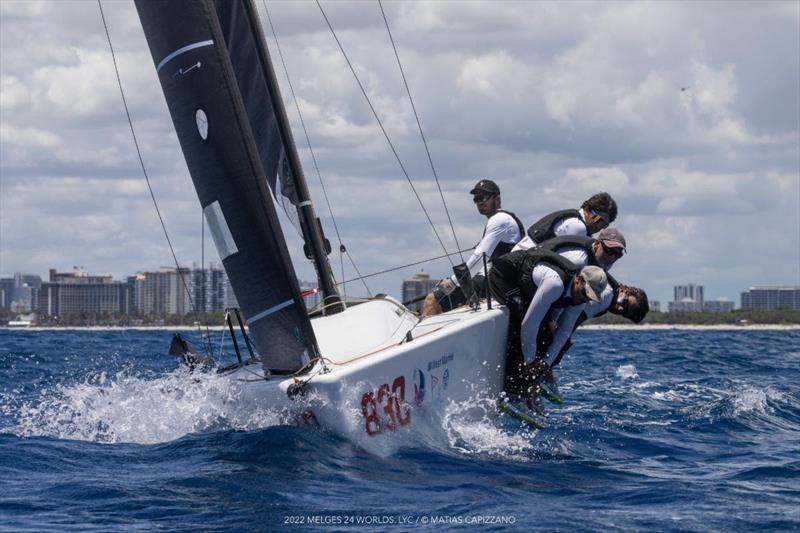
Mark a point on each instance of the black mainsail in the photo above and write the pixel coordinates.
(216, 107)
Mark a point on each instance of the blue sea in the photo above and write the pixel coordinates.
(662, 430)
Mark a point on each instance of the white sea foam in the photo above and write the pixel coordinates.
(744, 400)
(627, 372)
(750, 400)
(472, 427)
(130, 408)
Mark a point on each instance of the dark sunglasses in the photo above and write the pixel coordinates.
(604, 218)
(479, 199)
(626, 304)
(616, 253)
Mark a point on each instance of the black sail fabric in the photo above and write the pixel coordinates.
(229, 174)
(241, 34)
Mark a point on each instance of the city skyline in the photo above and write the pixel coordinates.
(171, 291)
(693, 130)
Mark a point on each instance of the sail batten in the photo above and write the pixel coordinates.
(230, 170)
(180, 51)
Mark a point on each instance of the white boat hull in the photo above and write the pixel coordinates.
(384, 367)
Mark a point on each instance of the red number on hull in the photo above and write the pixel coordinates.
(392, 403)
(372, 423)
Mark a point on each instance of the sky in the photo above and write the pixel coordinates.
(687, 113)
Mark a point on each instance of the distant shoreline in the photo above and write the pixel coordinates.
(691, 326)
(588, 326)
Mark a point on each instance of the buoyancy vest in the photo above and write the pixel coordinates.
(556, 244)
(503, 248)
(543, 229)
(516, 268)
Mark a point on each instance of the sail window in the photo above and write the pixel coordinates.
(223, 239)
(202, 123)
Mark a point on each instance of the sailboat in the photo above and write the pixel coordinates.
(377, 359)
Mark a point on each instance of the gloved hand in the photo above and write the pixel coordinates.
(446, 286)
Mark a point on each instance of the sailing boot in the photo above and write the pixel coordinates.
(533, 374)
(549, 387)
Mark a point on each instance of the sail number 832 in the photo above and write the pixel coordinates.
(385, 408)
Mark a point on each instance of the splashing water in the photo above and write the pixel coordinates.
(472, 428)
(130, 408)
(627, 372)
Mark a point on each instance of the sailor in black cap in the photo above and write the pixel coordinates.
(503, 230)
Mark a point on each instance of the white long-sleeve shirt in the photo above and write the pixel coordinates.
(549, 288)
(566, 321)
(569, 226)
(501, 227)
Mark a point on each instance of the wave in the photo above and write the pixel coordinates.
(127, 407)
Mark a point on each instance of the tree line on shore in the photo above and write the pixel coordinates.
(738, 317)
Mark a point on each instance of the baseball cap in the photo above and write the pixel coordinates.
(595, 281)
(485, 186)
(612, 238)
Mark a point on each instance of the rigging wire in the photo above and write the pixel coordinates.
(409, 264)
(141, 161)
(385, 134)
(206, 337)
(342, 248)
(419, 127)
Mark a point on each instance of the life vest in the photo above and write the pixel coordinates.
(503, 248)
(556, 244)
(517, 267)
(543, 229)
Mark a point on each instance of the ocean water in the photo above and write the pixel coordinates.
(662, 430)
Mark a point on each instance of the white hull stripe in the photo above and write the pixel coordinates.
(179, 51)
(267, 312)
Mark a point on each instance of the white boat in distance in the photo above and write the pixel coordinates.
(376, 358)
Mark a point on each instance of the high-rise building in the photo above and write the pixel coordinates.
(163, 292)
(209, 288)
(771, 298)
(418, 285)
(6, 292)
(75, 293)
(655, 306)
(19, 293)
(687, 298)
(720, 305)
(230, 297)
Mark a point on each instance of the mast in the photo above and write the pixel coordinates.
(312, 229)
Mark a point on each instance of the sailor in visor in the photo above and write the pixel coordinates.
(618, 299)
(532, 283)
(595, 214)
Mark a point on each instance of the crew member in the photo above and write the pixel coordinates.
(602, 251)
(595, 214)
(503, 230)
(530, 283)
(618, 299)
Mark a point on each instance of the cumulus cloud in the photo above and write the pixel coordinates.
(687, 114)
